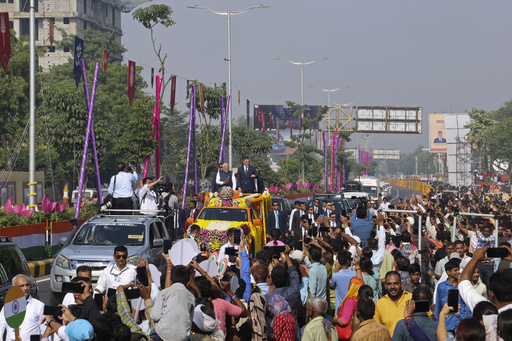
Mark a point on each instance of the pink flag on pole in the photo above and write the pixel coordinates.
(45, 204)
(61, 207)
(25, 213)
(18, 209)
(8, 206)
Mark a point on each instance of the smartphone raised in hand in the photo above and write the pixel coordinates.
(142, 275)
(453, 299)
(72, 287)
(52, 310)
(421, 306)
(167, 246)
(237, 233)
(497, 252)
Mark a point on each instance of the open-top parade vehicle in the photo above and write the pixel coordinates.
(229, 209)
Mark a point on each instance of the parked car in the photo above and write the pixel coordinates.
(12, 263)
(143, 236)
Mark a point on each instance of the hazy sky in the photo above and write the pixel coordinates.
(444, 56)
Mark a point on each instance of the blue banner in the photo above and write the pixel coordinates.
(78, 54)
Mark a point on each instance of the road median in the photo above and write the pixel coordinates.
(40, 268)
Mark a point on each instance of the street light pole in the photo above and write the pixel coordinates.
(229, 13)
(329, 92)
(301, 72)
(302, 63)
(32, 126)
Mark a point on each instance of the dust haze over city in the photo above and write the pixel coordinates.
(446, 57)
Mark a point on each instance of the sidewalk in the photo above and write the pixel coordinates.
(40, 268)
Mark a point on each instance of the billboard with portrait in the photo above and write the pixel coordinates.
(437, 133)
(271, 114)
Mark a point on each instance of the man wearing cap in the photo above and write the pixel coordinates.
(80, 330)
(33, 314)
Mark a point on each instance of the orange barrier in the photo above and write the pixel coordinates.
(411, 184)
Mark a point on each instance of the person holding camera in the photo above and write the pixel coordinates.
(121, 186)
(148, 197)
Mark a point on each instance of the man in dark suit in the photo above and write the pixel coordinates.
(245, 177)
(333, 222)
(259, 182)
(439, 138)
(298, 234)
(193, 211)
(316, 207)
(277, 220)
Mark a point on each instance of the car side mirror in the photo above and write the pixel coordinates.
(158, 242)
(256, 222)
(190, 220)
(62, 241)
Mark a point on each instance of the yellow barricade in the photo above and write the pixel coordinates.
(411, 184)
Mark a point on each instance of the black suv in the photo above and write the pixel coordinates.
(12, 263)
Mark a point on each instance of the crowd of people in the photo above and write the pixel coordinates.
(321, 276)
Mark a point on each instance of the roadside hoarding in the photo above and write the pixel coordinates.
(271, 113)
(437, 134)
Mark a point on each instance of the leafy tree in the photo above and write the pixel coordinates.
(174, 139)
(499, 141)
(14, 92)
(483, 121)
(298, 141)
(505, 111)
(407, 163)
(94, 44)
(150, 17)
(208, 135)
(249, 143)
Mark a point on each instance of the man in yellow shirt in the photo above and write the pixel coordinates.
(390, 308)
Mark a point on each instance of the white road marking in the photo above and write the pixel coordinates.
(397, 194)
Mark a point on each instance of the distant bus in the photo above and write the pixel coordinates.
(372, 187)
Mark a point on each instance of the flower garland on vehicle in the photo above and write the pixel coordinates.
(212, 240)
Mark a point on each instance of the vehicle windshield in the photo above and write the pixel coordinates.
(353, 202)
(372, 190)
(224, 214)
(105, 234)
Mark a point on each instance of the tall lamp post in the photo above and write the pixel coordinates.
(329, 92)
(229, 13)
(32, 199)
(301, 73)
(302, 63)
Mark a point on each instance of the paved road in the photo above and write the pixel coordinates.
(44, 289)
(401, 192)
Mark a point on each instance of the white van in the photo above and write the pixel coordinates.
(87, 193)
(372, 187)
